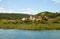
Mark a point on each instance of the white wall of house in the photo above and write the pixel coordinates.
(30, 18)
(23, 19)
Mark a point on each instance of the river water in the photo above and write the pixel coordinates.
(29, 34)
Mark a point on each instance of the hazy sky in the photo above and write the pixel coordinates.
(29, 6)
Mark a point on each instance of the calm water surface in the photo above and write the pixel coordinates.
(28, 34)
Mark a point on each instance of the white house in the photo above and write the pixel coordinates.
(23, 19)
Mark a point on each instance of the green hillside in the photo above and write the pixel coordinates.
(52, 23)
(12, 16)
(49, 14)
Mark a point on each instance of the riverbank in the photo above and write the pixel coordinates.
(50, 26)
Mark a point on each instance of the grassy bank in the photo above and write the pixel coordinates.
(50, 26)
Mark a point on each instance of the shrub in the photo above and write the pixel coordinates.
(56, 20)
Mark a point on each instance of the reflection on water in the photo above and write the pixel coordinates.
(28, 34)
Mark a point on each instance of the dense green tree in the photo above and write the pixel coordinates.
(48, 14)
(13, 16)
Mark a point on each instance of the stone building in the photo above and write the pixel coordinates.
(38, 18)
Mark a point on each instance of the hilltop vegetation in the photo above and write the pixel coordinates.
(49, 14)
(13, 16)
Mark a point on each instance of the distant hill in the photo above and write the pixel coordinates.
(20, 16)
(12, 16)
(49, 14)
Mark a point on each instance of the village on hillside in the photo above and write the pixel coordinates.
(31, 18)
(21, 18)
(36, 18)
